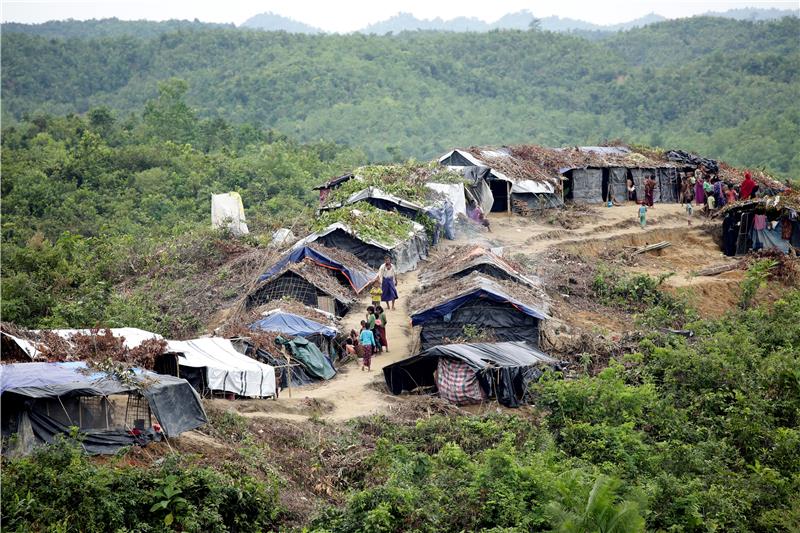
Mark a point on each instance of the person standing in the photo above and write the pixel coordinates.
(631, 191)
(730, 194)
(747, 187)
(386, 274)
(643, 215)
(699, 190)
(380, 326)
(368, 344)
(649, 191)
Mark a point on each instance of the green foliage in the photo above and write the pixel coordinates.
(754, 279)
(369, 223)
(60, 489)
(723, 88)
(643, 294)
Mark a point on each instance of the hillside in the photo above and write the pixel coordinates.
(722, 87)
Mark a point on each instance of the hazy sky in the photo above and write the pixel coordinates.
(349, 15)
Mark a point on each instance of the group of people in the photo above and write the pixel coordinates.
(372, 338)
(711, 192)
(699, 187)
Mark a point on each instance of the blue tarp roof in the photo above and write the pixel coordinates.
(291, 324)
(358, 278)
(483, 289)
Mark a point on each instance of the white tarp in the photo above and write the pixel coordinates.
(454, 192)
(227, 369)
(227, 211)
(531, 186)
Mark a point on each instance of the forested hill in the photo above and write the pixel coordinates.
(726, 88)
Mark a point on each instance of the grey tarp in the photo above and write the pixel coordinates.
(504, 369)
(27, 388)
(668, 185)
(587, 185)
(618, 184)
(638, 175)
(482, 193)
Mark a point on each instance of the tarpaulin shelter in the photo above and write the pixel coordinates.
(212, 364)
(771, 222)
(405, 252)
(295, 325)
(227, 211)
(507, 310)
(469, 373)
(464, 260)
(379, 199)
(502, 191)
(292, 324)
(349, 268)
(307, 282)
(42, 400)
(313, 360)
(287, 373)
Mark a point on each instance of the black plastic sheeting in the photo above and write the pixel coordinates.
(587, 185)
(505, 370)
(503, 320)
(692, 160)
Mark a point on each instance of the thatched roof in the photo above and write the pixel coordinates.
(321, 277)
(788, 199)
(448, 289)
(461, 258)
(539, 163)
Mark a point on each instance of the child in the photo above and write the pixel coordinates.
(368, 343)
(642, 215)
(375, 292)
(689, 211)
(380, 327)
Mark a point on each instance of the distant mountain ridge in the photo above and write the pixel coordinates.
(273, 22)
(523, 20)
(520, 20)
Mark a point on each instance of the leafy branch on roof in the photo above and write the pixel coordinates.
(369, 223)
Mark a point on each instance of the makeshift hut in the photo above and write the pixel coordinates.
(770, 222)
(471, 373)
(348, 269)
(43, 400)
(458, 308)
(379, 199)
(307, 282)
(371, 234)
(292, 319)
(498, 191)
(464, 260)
(213, 365)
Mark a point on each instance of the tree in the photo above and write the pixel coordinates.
(169, 117)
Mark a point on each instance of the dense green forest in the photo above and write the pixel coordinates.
(725, 88)
(88, 198)
(681, 435)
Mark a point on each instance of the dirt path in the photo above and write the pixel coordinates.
(354, 393)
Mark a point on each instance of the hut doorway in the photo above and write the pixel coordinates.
(499, 190)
